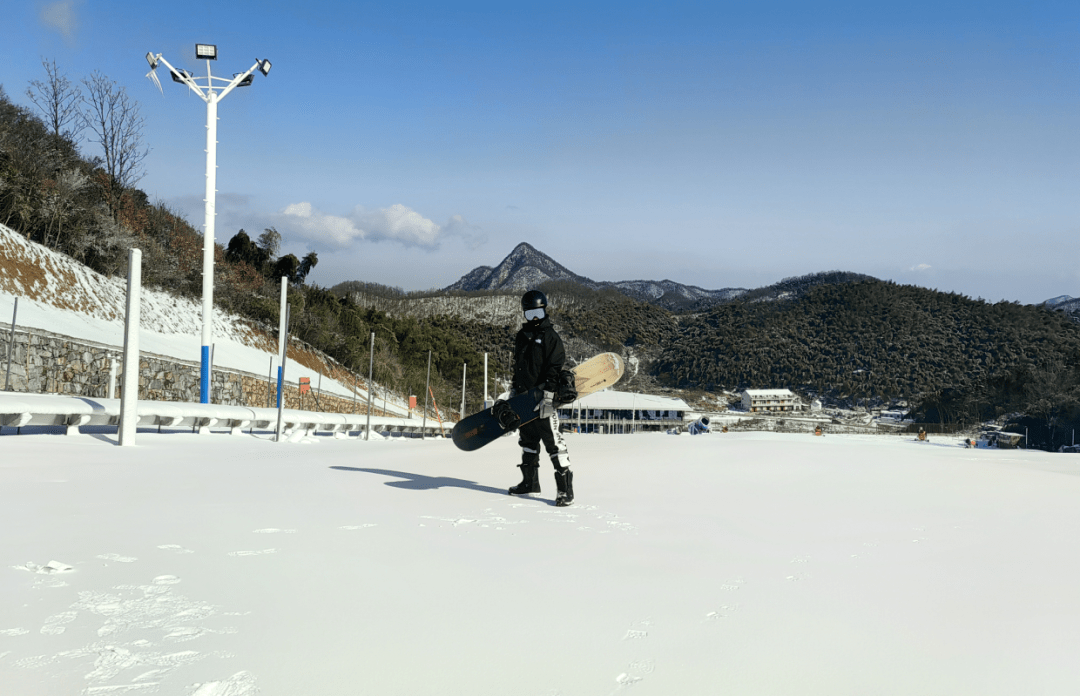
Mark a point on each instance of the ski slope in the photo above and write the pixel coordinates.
(739, 563)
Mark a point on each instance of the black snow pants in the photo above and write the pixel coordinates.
(545, 430)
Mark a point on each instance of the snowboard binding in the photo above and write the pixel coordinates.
(504, 414)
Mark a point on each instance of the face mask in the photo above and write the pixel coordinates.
(534, 314)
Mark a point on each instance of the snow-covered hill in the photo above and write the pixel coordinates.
(675, 296)
(1063, 302)
(59, 295)
(85, 299)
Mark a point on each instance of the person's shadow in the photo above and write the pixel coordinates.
(419, 482)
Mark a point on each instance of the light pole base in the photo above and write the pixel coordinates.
(204, 377)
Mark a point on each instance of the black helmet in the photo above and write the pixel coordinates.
(533, 299)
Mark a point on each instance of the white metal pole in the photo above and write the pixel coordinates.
(485, 381)
(283, 330)
(208, 242)
(464, 370)
(11, 347)
(281, 376)
(129, 401)
(427, 391)
(371, 375)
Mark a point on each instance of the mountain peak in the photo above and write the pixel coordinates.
(523, 268)
(523, 248)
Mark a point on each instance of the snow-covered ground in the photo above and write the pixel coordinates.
(742, 563)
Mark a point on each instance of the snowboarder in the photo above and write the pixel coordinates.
(538, 362)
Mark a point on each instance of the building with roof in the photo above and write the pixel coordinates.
(770, 400)
(612, 411)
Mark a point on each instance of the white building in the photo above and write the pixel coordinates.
(612, 411)
(769, 400)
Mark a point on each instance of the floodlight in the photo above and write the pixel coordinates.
(178, 75)
(151, 60)
(246, 82)
(264, 66)
(205, 51)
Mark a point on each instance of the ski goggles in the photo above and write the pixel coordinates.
(534, 314)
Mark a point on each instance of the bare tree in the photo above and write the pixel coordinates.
(116, 122)
(59, 100)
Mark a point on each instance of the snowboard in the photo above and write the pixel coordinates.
(486, 426)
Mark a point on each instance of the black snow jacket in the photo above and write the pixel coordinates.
(538, 357)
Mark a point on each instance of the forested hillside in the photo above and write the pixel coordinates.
(960, 359)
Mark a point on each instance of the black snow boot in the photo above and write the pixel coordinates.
(530, 480)
(564, 482)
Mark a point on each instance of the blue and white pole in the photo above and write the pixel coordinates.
(208, 245)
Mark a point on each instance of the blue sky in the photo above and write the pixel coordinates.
(715, 144)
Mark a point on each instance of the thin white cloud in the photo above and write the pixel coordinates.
(397, 223)
(457, 226)
(62, 17)
(920, 267)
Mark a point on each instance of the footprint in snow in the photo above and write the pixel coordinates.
(54, 625)
(723, 612)
(239, 684)
(638, 629)
(634, 673)
(117, 558)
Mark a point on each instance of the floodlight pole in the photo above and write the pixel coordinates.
(208, 94)
(208, 242)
